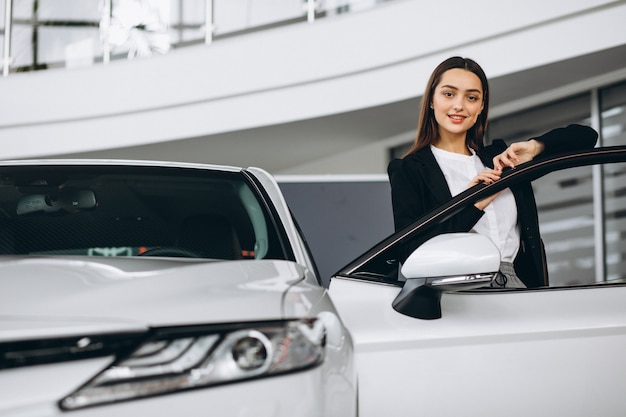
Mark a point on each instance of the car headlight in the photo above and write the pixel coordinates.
(192, 357)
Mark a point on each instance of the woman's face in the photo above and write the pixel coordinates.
(457, 102)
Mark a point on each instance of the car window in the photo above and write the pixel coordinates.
(135, 211)
(582, 218)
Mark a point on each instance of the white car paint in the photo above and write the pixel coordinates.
(62, 289)
(536, 352)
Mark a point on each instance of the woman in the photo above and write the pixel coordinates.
(448, 156)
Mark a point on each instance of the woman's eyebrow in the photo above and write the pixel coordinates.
(472, 90)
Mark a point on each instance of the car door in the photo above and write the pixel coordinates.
(553, 350)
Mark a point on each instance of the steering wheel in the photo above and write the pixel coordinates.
(171, 251)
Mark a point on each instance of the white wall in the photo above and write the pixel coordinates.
(291, 73)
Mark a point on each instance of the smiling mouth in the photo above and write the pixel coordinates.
(456, 117)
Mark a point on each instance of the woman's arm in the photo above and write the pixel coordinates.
(564, 139)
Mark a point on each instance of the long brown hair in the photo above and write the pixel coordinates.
(427, 125)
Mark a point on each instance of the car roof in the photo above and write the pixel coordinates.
(117, 162)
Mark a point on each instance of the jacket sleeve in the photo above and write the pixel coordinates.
(568, 139)
(410, 201)
(561, 140)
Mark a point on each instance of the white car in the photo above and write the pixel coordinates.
(152, 289)
(141, 288)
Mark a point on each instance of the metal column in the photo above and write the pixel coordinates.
(599, 224)
(6, 55)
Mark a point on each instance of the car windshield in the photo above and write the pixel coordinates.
(124, 211)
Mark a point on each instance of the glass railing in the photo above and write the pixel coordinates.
(43, 34)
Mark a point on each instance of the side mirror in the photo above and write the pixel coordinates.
(447, 262)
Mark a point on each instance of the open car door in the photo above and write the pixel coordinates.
(436, 340)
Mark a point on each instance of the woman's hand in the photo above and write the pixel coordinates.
(517, 153)
(487, 176)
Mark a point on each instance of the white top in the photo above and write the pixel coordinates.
(499, 222)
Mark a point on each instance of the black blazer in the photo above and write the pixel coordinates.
(418, 186)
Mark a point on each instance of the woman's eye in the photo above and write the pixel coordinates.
(472, 98)
(447, 94)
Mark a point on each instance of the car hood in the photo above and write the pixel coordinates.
(42, 296)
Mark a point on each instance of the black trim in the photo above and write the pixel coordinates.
(53, 350)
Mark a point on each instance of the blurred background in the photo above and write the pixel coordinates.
(321, 93)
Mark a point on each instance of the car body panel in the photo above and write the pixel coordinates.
(35, 390)
(548, 352)
(191, 293)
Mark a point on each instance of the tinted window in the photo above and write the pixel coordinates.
(583, 226)
(131, 211)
